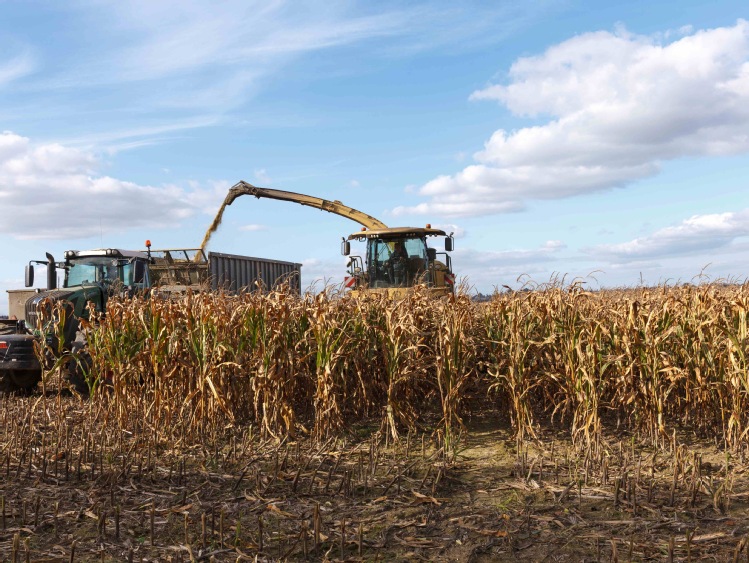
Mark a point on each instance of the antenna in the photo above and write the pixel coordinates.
(101, 233)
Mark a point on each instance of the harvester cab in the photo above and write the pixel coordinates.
(399, 258)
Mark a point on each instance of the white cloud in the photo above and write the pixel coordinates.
(616, 105)
(16, 67)
(698, 235)
(317, 273)
(113, 141)
(49, 191)
(174, 37)
(544, 253)
(457, 230)
(173, 60)
(237, 40)
(491, 268)
(261, 176)
(253, 228)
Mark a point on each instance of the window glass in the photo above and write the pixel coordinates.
(416, 248)
(98, 269)
(82, 272)
(126, 274)
(395, 262)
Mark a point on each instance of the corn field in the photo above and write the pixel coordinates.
(647, 360)
(272, 427)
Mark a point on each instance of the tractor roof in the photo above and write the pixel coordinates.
(106, 252)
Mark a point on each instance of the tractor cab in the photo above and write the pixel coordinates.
(106, 267)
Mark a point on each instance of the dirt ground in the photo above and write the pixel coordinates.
(70, 494)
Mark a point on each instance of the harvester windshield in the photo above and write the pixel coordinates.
(396, 262)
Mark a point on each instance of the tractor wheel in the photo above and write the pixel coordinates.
(78, 370)
(26, 380)
(6, 383)
(19, 380)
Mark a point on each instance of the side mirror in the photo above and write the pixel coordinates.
(139, 271)
(345, 248)
(29, 275)
(432, 254)
(449, 244)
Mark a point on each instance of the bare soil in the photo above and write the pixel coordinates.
(117, 496)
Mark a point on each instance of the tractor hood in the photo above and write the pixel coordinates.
(33, 304)
(78, 298)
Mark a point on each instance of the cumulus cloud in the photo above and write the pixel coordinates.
(615, 106)
(697, 235)
(50, 191)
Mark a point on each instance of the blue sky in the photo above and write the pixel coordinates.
(555, 137)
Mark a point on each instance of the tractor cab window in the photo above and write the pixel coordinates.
(396, 262)
(98, 270)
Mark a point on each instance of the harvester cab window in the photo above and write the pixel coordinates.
(396, 262)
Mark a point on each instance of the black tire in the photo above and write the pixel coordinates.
(12, 381)
(6, 384)
(78, 368)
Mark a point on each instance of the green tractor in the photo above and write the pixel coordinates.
(52, 332)
(50, 325)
